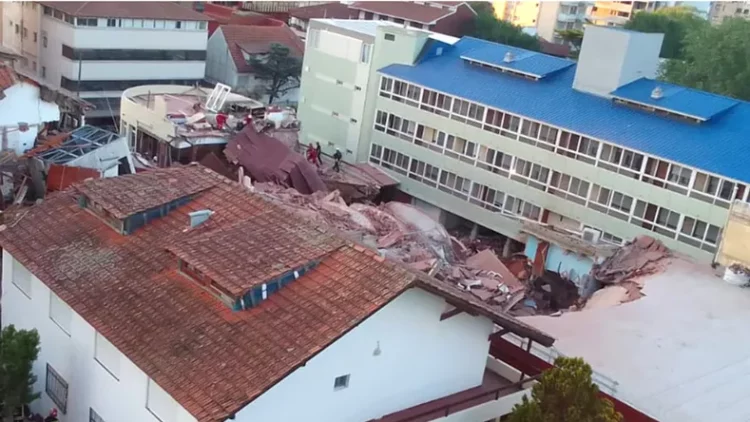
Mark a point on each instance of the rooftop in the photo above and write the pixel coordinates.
(677, 353)
(258, 39)
(333, 10)
(129, 288)
(422, 13)
(136, 10)
(718, 145)
(78, 143)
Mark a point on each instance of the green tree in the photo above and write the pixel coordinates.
(487, 27)
(278, 69)
(573, 38)
(716, 59)
(565, 393)
(673, 22)
(18, 351)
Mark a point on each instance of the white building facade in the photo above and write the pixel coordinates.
(23, 113)
(100, 56)
(20, 32)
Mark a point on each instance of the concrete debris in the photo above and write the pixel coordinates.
(639, 257)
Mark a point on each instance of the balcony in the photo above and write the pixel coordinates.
(499, 392)
(569, 17)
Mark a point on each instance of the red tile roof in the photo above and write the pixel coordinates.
(259, 36)
(422, 13)
(336, 10)
(125, 9)
(60, 177)
(8, 77)
(129, 289)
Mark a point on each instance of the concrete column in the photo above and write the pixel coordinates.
(507, 246)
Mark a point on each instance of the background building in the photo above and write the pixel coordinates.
(722, 10)
(20, 32)
(543, 18)
(99, 49)
(616, 13)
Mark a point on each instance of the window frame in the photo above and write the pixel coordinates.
(59, 381)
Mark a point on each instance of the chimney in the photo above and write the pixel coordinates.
(613, 57)
(199, 217)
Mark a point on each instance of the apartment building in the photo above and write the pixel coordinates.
(176, 295)
(616, 13)
(498, 135)
(546, 18)
(99, 49)
(20, 32)
(720, 11)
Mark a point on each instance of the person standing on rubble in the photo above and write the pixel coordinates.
(337, 160)
(311, 155)
(319, 152)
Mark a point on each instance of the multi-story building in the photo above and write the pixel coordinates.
(617, 13)
(176, 295)
(546, 18)
(720, 11)
(99, 49)
(20, 33)
(499, 135)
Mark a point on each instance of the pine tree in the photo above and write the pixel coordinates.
(565, 393)
(18, 351)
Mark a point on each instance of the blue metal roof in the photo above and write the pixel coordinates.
(529, 62)
(675, 98)
(720, 145)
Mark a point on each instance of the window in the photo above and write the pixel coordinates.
(621, 160)
(423, 172)
(578, 147)
(381, 118)
(461, 148)
(107, 355)
(435, 102)
(88, 21)
(530, 173)
(386, 86)
(159, 403)
(454, 184)
(22, 278)
(44, 39)
(495, 161)
(390, 37)
(94, 417)
(18, 29)
(35, 37)
(60, 312)
(658, 219)
(610, 202)
(569, 187)
(717, 191)
(129, 55)
(202, 25)
(486, 197)
(364, 54)
(342, 381)
(120, 85)
(699, 234)
(25, 32)
(178, 24)
(44, 72)
(467, 112)
(395, 161)
(57, 389)
(376, 151)
(406, 93)
(111, 23)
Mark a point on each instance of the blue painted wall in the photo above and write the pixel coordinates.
(574, 265)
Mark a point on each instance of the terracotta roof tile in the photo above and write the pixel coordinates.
(335, 10)
(260, 37)
(8, 77)
(211, 360)
(422, 13)
(124, 9)
(133, 193)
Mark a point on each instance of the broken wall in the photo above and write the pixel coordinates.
(734, 247)
(568, 264)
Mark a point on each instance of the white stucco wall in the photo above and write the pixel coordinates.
(72, 356)
(219, 64)
(22, 104)
(421, 359)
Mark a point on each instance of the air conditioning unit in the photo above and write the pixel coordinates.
(591, 235)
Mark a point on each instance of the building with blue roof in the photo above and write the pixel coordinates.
(495, 136)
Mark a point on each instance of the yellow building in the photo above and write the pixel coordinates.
(617, 13)
(521, 13)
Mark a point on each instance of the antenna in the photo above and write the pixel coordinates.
(217, 98)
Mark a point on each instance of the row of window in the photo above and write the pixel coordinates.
(73, 85)
(454, 184)
(665, 174)
(562, 185)
(158, 402)
(125, 23)
(21, 30)
(128, 54)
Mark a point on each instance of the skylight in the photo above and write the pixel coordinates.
(519, 62)
(672, 100)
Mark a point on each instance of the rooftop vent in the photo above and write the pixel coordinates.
(657, 93)
(509, 57)
(199, 217)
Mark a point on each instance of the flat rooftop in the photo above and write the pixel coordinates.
(678, 353)
(370, 27)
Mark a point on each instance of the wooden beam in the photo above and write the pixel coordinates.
(448, 314)
(497, 335)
